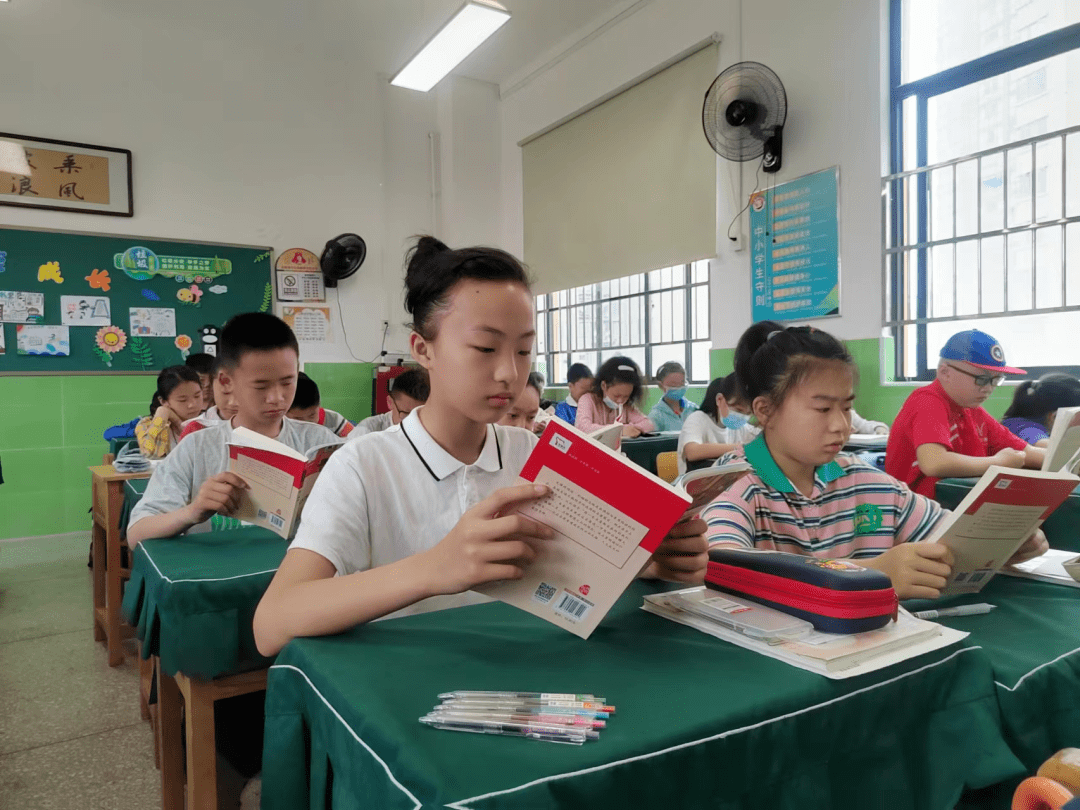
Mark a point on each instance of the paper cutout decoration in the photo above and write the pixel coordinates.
(44, 341)
(268, 297)
(21, 307)
(189, 295)
(150, 295)
(209, 335)
(144, 356)
(184, 344)
(84, 310)
(217, 289)
(109, 340)
(3, 260)
(152, 321)
(50, 271)
(99, 280)
(141, 263)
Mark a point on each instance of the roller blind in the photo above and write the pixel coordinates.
(625, 187)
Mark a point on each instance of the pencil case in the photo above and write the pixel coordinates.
(836, 596)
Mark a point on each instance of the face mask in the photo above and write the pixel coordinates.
(615, 406)
(675, 394)
(735, 420)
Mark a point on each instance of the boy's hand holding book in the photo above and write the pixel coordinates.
(219, 495)
(917, 570)
(682, 556)
(1007, 457)
(1034, 546)
(491, 542)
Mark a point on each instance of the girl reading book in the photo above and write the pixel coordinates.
(1035, 404)
(718, 427)
(409, 519)
(806, 497)
(615, 399)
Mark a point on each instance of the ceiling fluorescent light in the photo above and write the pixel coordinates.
(474, 22)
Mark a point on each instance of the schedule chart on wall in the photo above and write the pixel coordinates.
(795, 248)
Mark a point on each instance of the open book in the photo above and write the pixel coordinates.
(1002, 510)
(867, 441)
(834, 656)
(1063, 451)
(1059, 567)
(609, 516)
(280, 479)
(608, 435)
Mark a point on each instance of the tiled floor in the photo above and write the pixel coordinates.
(70, 731)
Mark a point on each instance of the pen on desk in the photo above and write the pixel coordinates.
(501, 715)
(542, 696)
(560, 704)
(962, 610)
(510, 706)
(564, 733)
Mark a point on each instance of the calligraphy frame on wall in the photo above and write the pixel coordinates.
(69, 176)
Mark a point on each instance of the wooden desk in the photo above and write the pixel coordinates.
(107, 486)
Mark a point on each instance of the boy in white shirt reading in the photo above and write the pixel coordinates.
(411, 518)
(408, 391)
(258, 362)
(307, 407)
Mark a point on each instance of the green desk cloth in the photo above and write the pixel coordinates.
(134, 489)
(1060, 528)
(116, 445)
(1032, 639)
(699, 722)
(643, 451)
(192, 599)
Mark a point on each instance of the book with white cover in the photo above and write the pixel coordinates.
(1064, 444)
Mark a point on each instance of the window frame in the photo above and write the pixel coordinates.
(546, 307)
(997, 63)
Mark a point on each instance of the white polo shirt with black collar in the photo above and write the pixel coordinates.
(388, 495)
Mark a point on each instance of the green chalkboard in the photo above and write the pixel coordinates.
(154, 291)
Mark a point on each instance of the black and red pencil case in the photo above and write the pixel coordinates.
(836, 596)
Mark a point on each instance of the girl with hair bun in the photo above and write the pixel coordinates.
(409, 519)
(803, 495)
(1035, 403)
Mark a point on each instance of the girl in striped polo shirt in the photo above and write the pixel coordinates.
(804, 496)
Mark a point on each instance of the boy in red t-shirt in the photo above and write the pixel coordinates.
(942, 431)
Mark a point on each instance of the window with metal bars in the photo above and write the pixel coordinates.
(652, 317)
(981, 213)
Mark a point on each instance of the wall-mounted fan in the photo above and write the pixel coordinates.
(744, 114)
(342, 257)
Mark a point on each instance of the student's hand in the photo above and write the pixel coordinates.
(882, 430)
(491, 542)
(166, 413)
(917, 570)
(683, 555)
(219, 495)
(630, 432)
(1008, 457)
(1034, 546)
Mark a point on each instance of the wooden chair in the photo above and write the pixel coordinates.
(667, 465)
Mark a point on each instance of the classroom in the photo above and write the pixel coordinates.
(818, 258)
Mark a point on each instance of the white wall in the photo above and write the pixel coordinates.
(260, 128)
(827, 53)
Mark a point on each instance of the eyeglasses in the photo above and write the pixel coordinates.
(980, 379)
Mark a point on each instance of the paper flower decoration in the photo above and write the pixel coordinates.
(111, 339)
(183, 343)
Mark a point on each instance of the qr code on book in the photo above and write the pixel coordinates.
(544, 593)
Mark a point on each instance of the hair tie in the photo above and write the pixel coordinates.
(774, 334)
(625, 368)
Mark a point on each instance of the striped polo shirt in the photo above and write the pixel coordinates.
(855, 510)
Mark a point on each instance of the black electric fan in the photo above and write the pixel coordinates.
(744, 113)
(342, 257)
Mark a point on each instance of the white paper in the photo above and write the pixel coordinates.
(50, 341)
(1050, 567)
(21, 307)
(85, 310)
(152, 322)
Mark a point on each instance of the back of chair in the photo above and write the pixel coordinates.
(667, 465)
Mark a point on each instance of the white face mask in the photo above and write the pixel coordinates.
(615, 406)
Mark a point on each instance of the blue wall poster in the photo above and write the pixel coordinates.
(795, 248)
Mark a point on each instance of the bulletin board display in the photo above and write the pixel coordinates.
(80, 303)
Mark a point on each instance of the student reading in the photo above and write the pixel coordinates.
(942, 429)
(177, 398)
(307, 407)
(408, 391)
(806, 497)
(579, 381)
(223, 409)
(615, 396)
(718, 427)
(258, 362)
(1035, 403)
(410, 518)
(671, 411)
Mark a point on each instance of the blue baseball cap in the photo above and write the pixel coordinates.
(979, 349)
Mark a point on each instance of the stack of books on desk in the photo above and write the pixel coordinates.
(832, 655)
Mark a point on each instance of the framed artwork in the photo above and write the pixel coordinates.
(67, 176)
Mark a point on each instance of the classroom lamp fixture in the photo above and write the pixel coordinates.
(13, 158)
(464, 33)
